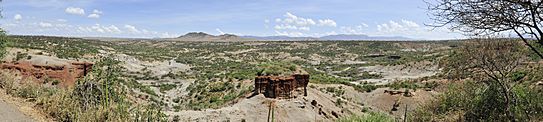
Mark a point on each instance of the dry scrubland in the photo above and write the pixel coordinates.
(202, 81)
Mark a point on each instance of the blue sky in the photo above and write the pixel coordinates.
(172, 18)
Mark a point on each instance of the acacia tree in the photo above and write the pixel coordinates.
(489, 17)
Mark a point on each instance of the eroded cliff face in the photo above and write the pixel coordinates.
(67, 74)
(280, 86)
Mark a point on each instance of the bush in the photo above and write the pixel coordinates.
(166, 87)
(100, 96)
(3, 40)
(472, 101)
(365, 87)
(370, 117)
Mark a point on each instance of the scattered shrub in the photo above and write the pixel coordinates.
(369, 117)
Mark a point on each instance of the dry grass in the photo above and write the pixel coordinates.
(99, 101)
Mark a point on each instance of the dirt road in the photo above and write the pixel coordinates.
(10, 113)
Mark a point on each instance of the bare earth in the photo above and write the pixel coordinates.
(17, 110)
(10, 113)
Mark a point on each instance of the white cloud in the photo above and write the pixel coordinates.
(18, 17)
(357, 29)
(290, 33)
(402, 27)
(97, 11)
(45, 25)
(220, 31)
(293, 25)
(60, 28)
(304, 28)
(131, 28)
(292, 19)
(97, 28)
(94, 16)
(327, 22)
(62, 20)
(365, 25)
(285, 27)
(113, 29)
(75, 11)
(412, 29)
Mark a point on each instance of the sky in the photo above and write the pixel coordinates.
(172, 18)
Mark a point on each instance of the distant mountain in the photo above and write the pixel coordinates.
(193, 35)
(344, 37)
(341, 37)
(201, 36)
(279, 38)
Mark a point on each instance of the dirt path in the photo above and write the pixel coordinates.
(14, 109)
(10, 113)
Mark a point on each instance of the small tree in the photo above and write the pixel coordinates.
(496, 62)
(488, 17)
(2, 40)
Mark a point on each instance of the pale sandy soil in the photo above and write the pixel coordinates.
(256, 109)
(400, 72)
(14, 109)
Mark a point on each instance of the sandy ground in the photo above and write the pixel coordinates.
(378, 100)
(158, 68)
(10, 113)
(14, 109)
(256, 109)
(400, 72)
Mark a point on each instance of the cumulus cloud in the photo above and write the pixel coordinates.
(59, 27)
(401, 27)
(97, 28)
(18, 17)
(95, 16)
(357, 29)
(293, 22)
(97, 11)
(412, 29)
(327, 22)
(293, 25)
(75, 11)
(131, 28)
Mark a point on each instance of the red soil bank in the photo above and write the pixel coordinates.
(67, 74)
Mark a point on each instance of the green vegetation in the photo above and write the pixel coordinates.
(473, 101)
(221, 71)
(100, 96)
(501, 90)
(3, 41)
(276, 68)
(66, 48)
(365, 87)
(369, 117)
(337, 92)
(213, 95)
(166, 87)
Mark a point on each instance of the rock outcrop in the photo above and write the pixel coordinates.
(280, 86)
(67, 74)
